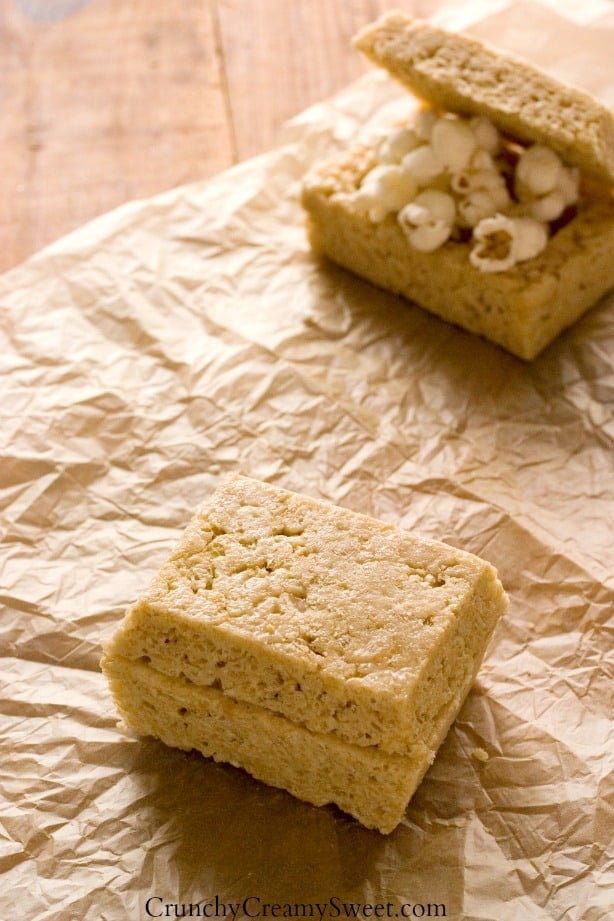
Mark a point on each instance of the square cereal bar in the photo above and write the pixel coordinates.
(331, 627)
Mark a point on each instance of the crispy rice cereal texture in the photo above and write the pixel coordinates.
(454, 72)
(521, 309)
(320, 650)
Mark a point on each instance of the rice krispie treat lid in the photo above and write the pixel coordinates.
(461, 74)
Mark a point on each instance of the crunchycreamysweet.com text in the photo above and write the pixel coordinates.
(254, 907)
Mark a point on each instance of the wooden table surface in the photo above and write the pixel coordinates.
(103, 101)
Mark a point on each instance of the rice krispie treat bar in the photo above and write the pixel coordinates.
(368, 784)
(328, 627)
(456, 73)
(492, 207)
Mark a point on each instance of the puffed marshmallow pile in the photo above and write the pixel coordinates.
(448, 176)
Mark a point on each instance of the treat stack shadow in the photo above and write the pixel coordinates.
(322, 651)
(525, 306)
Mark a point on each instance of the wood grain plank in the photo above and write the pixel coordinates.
(103, 101)
(117, 101)
(288, 54)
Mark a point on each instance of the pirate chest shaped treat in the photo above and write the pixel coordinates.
(492, 207)
(321, 650)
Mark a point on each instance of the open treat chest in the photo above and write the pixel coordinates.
(491, 206)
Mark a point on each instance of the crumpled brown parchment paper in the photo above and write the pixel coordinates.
(192, 334)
